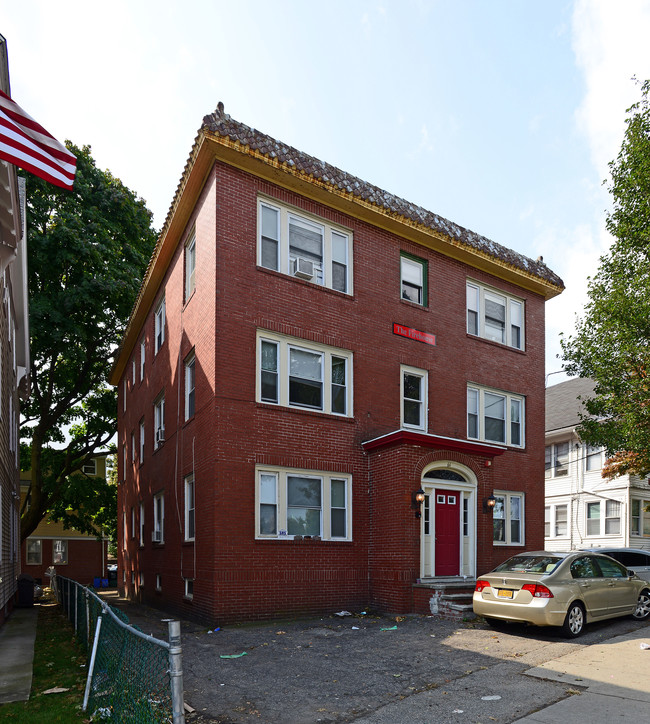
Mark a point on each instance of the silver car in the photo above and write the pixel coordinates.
(560, 589)
(634, 559)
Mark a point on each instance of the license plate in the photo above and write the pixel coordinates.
(504, 593)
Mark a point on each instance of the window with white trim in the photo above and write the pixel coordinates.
(295, 373)
(189, 507)
(133, 448)
(158, 582)
(142, 441)
(189, 386)
(303, 503)
(34, 551)
(603, 517)
(640, 517)
(133, 372)
(159, 326)
(413, 389)
(189, 588)
(142, 358)
(495, 416)
(141, 523)
(90, 467)
(413, 279)
(494, 315)
(59, 552)
(593, 457)
(190, 265)
(303, 246)
(508, 519)
(556, 521)
(158, 533)
(132, 522)
(556, 460)
(159, 421)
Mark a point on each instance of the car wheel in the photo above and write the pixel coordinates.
(574, 622)
(642, 610)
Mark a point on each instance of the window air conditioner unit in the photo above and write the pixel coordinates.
(303, 268)
(156, 536)
(160, 436)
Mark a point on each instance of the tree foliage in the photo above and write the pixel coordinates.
(87, 251)
(611, 344)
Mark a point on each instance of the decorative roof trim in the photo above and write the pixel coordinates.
(408, 437)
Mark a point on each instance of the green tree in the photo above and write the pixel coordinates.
(87, 251)
(611, 343)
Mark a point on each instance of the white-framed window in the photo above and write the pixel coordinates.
(593, 458)
(90, 467)
(190, 265)
(158, 533)
(556, 522)
(158, 582)
(508, 518)
(640, 517)
(495, 416)
(142, 359)
(141, 524)
(59, 552)
(189, 507)
(133, 448)
(413, 279)
(413, 393)
(133, 372)
(159, 421)
(496, 316)
(34, 552)
(603, 517)
(303, 503)
(304, 246)
(159, 326)
(142, 438)
(132, 522)
(141, 579)
(124, 461)
(124, 386)
(556, 460)
(189, 588)
(295, 373)
(189, 386)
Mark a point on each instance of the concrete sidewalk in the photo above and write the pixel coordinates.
(617, 680)
(17, 638)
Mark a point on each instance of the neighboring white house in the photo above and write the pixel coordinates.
(582, 510)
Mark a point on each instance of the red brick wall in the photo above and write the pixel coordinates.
(85, 561)
(236, 576)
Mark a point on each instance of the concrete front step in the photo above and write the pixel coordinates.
(449, 598)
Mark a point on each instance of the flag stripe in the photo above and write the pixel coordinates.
(25, 143)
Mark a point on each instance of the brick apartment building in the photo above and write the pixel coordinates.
(306, 354)
(14, 360)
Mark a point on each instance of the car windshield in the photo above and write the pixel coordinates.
(529, 564)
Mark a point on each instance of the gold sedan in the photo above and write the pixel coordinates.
(560, 589)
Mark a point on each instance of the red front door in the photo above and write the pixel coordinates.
(447, 532)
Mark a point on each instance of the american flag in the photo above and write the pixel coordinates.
(26, 144)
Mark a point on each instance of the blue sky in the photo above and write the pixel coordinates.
(500, 115)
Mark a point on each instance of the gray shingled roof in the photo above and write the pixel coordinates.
(222, 124)
(562, 403)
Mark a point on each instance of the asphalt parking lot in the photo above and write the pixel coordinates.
(368, 668)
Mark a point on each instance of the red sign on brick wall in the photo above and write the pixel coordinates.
(414, 334)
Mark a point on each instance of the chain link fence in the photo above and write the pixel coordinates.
(132, 677)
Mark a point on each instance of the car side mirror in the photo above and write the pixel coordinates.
(630, 574)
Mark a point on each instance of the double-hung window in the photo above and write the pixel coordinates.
(610, 524)
(414, 383)
(158, 533)
(508, 518)
(593, 518)
(495, 416)
(303, 503)
(556, 521)
(495, 316)
(189, 386)
(593, 457)
(413, 276)
(305, 247)
(34, 551)
(640, 517)
(59, 552)
(159, 421)
(142, 358)
(556, 460)
(141, 441)
(295, 373)
(190, 265)
(189, 507)
(141, 523)
(159, 326)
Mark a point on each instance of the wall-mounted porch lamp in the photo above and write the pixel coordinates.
(417, 498)
(489, 503)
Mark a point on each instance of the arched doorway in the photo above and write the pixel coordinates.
(448, 539)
